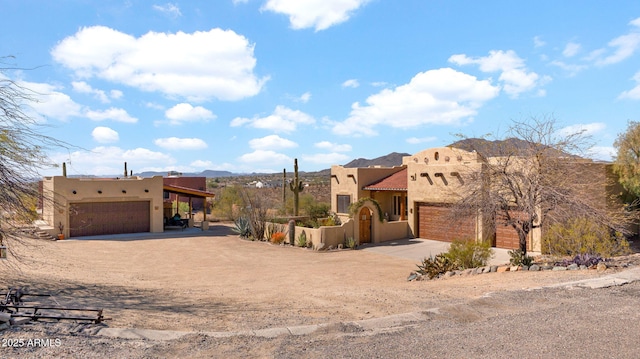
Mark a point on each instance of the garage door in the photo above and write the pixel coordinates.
(90, 219)
(507, 237)
(434, 222)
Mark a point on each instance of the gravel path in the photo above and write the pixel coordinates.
(219, 283)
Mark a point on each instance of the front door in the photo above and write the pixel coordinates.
(365, 225)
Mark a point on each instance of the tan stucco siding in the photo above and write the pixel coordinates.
(58, 193)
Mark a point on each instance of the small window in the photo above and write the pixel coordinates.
(436, 156)
(343, 203)
(398, 205)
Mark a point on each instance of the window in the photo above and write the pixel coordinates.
(398, 205)
(343, 203)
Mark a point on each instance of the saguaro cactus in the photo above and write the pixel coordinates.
(296, 187)
(284, 190)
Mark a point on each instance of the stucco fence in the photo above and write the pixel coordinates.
(329, 237)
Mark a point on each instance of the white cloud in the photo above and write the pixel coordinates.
(196, 66)
(572, 69)
(235, 2)
(201, 164)
(319, 14)
(271, 142)
(326, 158)
(622, 47)
(634, 93)
(514, 74)
(443, 96)
(83, 87)
(265, 157)
(169, 9)
(538, 42)
(326, 145)
(602, 153)
(104, 135)
(305, 97)
(115, 114)
(283, 119)
(184, 112)
(353, 83)
(416, 140)
(52, 103)
(585, 128)
(571, 49)
(109, 160)
(175, 143)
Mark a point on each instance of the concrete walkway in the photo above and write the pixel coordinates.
(417, 249)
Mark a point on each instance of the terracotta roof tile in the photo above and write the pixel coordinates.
(394, 182)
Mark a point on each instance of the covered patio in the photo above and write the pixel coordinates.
(189, 193)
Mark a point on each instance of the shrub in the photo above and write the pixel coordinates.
(434, 266)
(519, 258)
(350, 243)
(242, 227)
(302, 240)
(277, 238)
(469, 254)
(583, 236)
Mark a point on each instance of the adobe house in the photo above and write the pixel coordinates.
(97, 206)
(419, 195)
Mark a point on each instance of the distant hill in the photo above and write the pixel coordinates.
(390, 160)
(509, 146)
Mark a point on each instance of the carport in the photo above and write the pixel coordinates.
(190, 193)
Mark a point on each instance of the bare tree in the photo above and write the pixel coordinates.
(22, 153)
(536, 176)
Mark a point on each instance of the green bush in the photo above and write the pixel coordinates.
(350, 243)
(469, 254)
(302, 240)
(434, 266)
(583, 236)
(519, 258)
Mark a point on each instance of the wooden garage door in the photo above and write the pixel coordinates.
(435, 223)
(90, 219)
(507, 237)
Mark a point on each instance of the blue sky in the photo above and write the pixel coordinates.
(249, 85)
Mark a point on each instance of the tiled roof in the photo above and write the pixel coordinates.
(394, 182)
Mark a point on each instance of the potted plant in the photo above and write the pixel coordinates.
(61, 228)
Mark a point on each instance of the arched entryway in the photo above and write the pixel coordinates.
(364, 219)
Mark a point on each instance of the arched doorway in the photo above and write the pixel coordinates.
(364, 219)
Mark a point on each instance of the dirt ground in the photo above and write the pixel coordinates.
(219, 282)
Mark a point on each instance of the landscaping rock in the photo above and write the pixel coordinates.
(340, 246)
(514, 268)
(559, 268)
(449, 274)
(412, 276)
(502, 269)
(5, 317)
(534, 268)
(4, 326)
(573, 266)
(601, 267)
(493, 269)
(583, 267)
(525, 268)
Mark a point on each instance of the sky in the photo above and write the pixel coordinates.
(249, 85)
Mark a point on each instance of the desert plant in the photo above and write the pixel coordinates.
(520, 258)
(302, 239)
(469, 254)
(296, 186)
(435, 266)
(277, 238)
(583, 236)
(242, 227)
(351, 243)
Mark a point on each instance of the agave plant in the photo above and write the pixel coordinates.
(242, 227)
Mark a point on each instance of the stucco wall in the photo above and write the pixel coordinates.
(58, 193)
(350, 181)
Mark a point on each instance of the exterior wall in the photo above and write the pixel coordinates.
(198, 183)
(350, 181)
(58, 193)
(437, 176)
